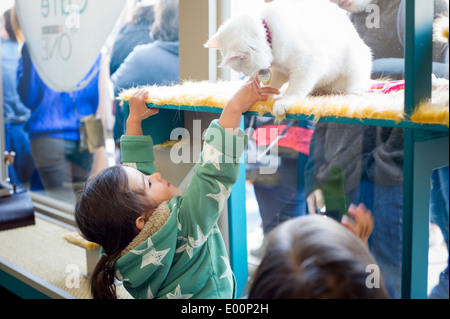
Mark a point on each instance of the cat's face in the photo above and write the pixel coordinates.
(353, 5)
(244, 48)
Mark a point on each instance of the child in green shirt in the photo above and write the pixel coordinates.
(158, 242)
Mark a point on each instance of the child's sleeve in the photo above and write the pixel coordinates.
(137, 152)
(215, 174)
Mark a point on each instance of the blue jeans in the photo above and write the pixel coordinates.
(385, 243)
(439, 216)
(279, 203)
(283, 201)
(17, 140)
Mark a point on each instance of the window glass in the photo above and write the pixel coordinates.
(321, 166)
(439, 207)
(56, 145)
(345, 164)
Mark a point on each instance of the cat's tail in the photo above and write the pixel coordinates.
(441, 29)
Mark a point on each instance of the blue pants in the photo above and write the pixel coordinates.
(23, 171)
(283, 201)
(385, 243)
(439, 216)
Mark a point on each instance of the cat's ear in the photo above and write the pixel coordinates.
(233, 56)
(213, 43)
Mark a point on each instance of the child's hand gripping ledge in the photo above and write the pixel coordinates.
(250, 93)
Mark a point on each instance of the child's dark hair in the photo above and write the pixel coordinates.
(106, 212)
(313, 257)
(8, 25)
(165, 27)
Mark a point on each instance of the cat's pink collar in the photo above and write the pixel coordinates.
(268, 35)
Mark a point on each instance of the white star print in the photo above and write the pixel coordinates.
(139, 252)
(222, 196)
(189, 246)
(149, 293)
(201, 238)
(178, 295)
(210, 154)
(154, 257)
(178, 219)
(228, 273)
(119, 275)
(189, 250)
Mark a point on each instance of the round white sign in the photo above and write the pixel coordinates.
(65, 37)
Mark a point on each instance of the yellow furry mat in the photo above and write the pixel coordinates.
(371, 105)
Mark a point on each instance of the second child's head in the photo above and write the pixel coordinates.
(314, 257)
(115, 205)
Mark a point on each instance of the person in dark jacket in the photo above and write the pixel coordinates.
(155, 63)
(133, 33)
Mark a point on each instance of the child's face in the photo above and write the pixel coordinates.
(156, 188)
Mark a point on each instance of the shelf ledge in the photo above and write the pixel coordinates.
(371, 108)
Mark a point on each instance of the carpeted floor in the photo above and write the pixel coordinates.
(41, 250)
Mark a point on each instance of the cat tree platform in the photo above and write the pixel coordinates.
(375, 107)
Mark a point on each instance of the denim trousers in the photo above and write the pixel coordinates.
(385, 243)
(439, 216)
(285, 200)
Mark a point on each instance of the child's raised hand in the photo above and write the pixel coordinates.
(252, 92)
(138, 106)
(362, 223)
(138, 112)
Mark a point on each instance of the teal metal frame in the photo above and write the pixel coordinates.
(419, 144)
(20, 288)
(237, 223)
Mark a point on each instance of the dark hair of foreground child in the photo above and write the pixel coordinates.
(315, 257)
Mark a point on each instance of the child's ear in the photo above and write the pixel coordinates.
(140, 222)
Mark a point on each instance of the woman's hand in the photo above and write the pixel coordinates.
(315, 201)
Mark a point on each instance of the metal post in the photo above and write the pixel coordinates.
(418, 68)
(3, 168)
(237, 223)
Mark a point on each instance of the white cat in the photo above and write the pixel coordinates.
(313, 45)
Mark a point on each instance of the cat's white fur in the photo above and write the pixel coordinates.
(315, 47)
(354, 6)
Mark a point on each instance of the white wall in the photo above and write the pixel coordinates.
(5, 5)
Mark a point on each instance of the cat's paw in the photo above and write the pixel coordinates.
(281, 106)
